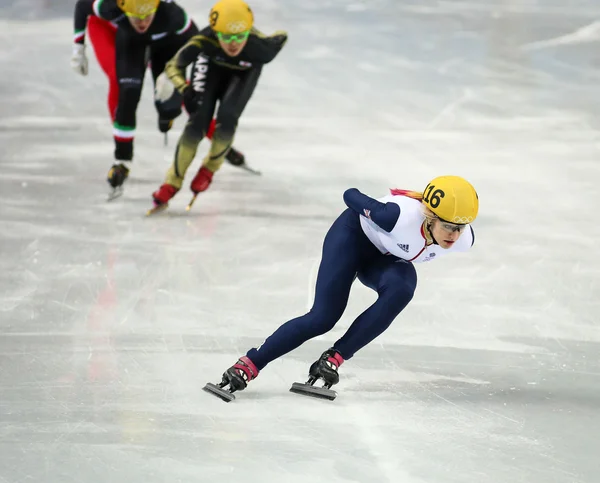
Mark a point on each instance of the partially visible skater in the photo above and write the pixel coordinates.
(376, 241)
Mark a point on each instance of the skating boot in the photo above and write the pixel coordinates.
(200, 183)
(237, 159)
(325, 368)
(161, 197)
(236, 377)
(117, 175)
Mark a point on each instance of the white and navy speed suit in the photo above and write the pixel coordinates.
(376, 241)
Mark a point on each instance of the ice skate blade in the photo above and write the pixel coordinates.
(191, 203)
(115, 193)
(221, 393)
(157, 209)
(245, 167)
(312, 391)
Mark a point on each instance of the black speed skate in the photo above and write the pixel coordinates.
(237, 159)
(325, 368)
(236, 378)
(117, 175)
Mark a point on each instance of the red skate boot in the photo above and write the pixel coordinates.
(200, 183)
(236, 377)
(161, 197)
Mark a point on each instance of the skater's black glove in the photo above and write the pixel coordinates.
(280, 39)
(190, 99)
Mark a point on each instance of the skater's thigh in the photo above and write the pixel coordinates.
(342, 256)
(238, 92)
(389, 276)
(131, 59)
(102, 35)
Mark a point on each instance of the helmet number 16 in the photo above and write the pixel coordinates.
(434, 198)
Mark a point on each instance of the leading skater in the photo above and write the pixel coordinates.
(377, 241)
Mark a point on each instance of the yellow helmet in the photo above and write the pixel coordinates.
(231, 17)
(452, 198)
(138, 8)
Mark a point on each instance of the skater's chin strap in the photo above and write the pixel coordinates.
(428, 233)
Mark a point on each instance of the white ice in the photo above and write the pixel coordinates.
(111, 323)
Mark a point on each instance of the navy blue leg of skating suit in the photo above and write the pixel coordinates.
(347, 253)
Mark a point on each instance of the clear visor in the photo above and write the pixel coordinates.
(451, 227)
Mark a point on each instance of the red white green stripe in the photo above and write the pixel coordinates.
(186, 24)
(123, 133)
(96, 7)
(79, 36)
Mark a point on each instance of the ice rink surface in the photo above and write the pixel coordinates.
(111, 322)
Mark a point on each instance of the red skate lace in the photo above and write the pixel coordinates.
(246, 368)
(336, 359)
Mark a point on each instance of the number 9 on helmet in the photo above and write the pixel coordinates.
(231, 17)
(452, 199)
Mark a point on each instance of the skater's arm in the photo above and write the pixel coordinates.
(175, 68)
(184, 26)
(83, 9)
(268, 46)
(107, 10)
(384, 215)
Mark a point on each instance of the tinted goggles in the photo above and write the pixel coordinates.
(141, 16)
(228, 38)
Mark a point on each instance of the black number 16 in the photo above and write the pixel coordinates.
(434, 198)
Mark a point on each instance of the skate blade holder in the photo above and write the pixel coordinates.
(157, 209)
(250, 170)
(308, 389)
(115, 193)
(217, 390)
(191, 203)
